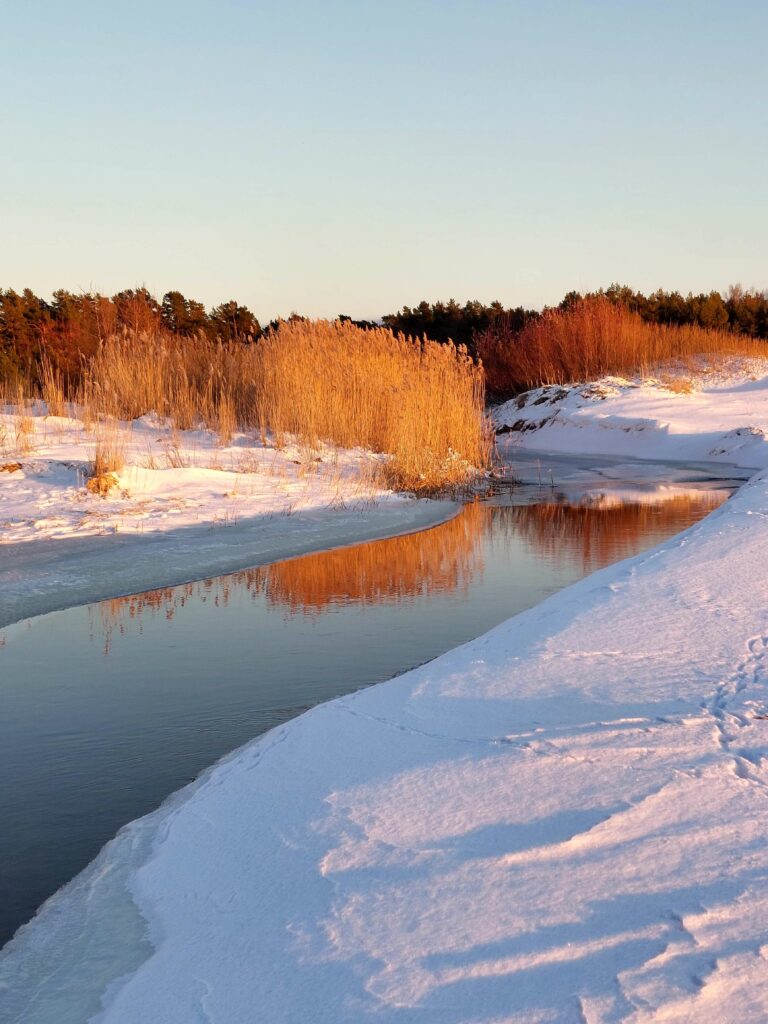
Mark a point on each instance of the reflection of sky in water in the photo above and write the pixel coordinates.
(109, 708)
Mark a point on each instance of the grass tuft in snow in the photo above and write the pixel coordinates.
(108, 460)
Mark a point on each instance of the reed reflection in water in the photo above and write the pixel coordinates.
(444, 559)
(586, 536)
(604, 529)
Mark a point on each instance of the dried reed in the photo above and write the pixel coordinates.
(318, 381)
(108, 460)
(592, 338)
(52, 389)
(24, 425)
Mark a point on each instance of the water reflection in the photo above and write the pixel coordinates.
(446, 558)
(588, 533)
(602, 528)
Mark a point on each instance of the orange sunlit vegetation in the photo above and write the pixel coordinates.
(592, 338)
(418, 401)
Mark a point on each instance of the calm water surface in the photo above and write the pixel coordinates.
(108, 708)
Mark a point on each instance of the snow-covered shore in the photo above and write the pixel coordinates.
(564, 820)
(717, 416)
(184, 507)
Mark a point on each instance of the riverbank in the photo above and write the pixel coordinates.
(182, 507)
(563, 820)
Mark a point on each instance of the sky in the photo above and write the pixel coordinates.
(353, 157)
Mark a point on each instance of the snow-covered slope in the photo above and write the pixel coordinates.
(565, 820)
(723, 418)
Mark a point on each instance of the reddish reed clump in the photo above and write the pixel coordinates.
(590, 339)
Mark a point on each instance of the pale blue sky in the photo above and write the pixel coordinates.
(351, 157)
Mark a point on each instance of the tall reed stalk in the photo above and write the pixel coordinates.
(52, 389)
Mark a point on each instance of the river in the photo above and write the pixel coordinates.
(110, 707)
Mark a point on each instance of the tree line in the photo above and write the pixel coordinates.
(67, 330)
(743, 311)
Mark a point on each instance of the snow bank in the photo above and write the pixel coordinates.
(565, 820)
(184, 508)
(723, 418)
